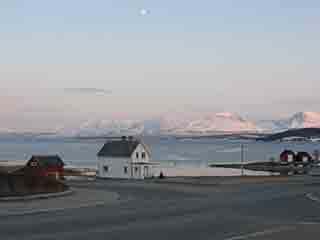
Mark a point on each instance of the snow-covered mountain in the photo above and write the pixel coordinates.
(272, 126)
(200, 125)
(304, 120)
(298, 120)
(168, 125)
(220, 122)
(108, 128)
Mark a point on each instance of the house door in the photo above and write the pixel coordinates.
(145, 171)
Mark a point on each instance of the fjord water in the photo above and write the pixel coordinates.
(78, 152)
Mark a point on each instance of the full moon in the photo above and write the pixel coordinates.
(144, 12)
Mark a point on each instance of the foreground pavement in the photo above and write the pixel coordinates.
(149, 210)
(75, 199)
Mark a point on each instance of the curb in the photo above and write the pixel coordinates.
(36, 196)
(16, 212)
(50, 210)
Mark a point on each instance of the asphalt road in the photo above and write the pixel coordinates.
(286, 210)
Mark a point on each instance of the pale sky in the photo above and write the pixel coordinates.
(64, 62)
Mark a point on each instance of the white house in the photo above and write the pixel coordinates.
(127, 158)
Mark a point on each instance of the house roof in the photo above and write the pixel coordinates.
(47, 160)
(118, 148)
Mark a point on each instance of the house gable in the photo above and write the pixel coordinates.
(140, 154)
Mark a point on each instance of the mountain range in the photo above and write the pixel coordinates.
(175, 125)
(297, 121)
(209, 124)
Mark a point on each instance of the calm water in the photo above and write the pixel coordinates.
(83, 152)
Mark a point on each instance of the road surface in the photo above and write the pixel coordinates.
(274, 210)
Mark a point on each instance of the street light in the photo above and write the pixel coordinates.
(242, 160)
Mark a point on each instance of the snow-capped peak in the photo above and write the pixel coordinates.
(311, 116)
(298, 120)
(221, 122)
(305, 120)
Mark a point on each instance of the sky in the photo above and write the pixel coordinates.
(65, 62)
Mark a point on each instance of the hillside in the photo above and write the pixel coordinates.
(297, 121)
(301, 134)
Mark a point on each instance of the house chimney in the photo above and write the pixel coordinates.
(123, 138)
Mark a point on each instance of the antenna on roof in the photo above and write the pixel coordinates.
(123, 138)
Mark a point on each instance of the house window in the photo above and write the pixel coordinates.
(137, 155)
(136, 169)
(143, 155)
(33, 164)
(125, 169)
(106, 168)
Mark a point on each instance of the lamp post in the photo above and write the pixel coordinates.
(242, 160)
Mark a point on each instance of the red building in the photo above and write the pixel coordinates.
(43, 165)
(287, 157)
(303, 158)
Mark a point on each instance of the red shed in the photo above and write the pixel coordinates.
(287, 157)
(46, 165)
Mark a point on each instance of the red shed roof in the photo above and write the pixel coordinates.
(47, 160)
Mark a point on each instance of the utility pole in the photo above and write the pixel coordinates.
(242, 160)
